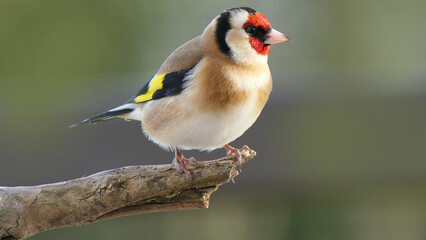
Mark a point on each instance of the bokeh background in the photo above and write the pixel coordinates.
(341, 143)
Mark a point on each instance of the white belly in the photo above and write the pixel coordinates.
(203, 131)
(210, 131)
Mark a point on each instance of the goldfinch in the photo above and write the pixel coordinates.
(210, 90)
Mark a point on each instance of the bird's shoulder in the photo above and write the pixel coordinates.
(170, 78)
(184, 57)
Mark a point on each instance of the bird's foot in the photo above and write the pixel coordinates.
(180, 163)
(231, 150)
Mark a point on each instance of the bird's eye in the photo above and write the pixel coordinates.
(251, 30)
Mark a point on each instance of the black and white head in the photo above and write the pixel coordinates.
(245, 35)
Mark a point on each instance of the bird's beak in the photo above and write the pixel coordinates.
(274, 36)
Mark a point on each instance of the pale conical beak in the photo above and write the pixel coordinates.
(274, 36)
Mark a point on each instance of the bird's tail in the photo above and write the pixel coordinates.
(108, 115)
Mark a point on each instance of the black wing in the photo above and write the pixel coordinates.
(162, 85)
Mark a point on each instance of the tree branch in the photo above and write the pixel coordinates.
(25, 211)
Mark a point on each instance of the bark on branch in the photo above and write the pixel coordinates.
(25, 211)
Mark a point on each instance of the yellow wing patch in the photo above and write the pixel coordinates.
(155, 84)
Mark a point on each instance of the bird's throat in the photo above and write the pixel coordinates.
(258, 45)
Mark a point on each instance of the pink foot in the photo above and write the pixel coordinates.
(231, 150)
(180, 163)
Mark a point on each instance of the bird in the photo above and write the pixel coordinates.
(209, 91)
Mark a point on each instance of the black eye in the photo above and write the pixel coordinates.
(251, 30)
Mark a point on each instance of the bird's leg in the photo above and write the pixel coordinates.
(231, 150)
(180, 163)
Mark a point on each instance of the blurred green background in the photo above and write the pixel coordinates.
(341, 143)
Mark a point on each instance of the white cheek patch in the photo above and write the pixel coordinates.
(241, 50)
(238, 41)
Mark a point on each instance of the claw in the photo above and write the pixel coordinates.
(180, 164)
(231, 150)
